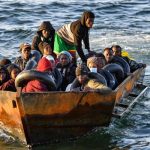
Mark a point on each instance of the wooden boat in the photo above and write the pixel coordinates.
(37, 118)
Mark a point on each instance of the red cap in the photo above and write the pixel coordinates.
(44, 65)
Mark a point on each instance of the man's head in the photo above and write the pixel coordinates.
(87, 19)
(46, 29)
(82, 73)
(116, 50)
(89, 22)
(45, 33)
(65, 58)
(45, 48)
(25, 49)
(108, 53)
(14, 73)
(96, 62)
(3, 74)
(92, 64)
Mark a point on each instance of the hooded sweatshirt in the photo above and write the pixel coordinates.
(77, 31)
(36, 85)
(46, 25)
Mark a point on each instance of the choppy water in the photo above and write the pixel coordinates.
(123, 22)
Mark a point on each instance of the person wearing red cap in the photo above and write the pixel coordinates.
(44, 65)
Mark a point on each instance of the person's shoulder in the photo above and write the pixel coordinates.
(58, 65)
(125, 57)
(73, 66)
(37, 36)
(77, 26)
(18, 58)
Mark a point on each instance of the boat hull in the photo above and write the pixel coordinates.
(10, 118)
(38, 118)
(61, 115)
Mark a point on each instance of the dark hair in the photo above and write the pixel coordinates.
(107, 49)
(11, 67)
(5, 61)
(116, 47)
(89, 14)
(7, 75)
(100, 55)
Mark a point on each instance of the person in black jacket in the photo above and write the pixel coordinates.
(69, 37)
(45, 33)
(117, 51)
(66, 68)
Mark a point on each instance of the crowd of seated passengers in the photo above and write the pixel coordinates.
(63, 63)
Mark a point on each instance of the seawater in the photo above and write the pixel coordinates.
(123, 22)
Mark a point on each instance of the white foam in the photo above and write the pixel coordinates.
(5, 137)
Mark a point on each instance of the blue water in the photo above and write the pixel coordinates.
(123, 22)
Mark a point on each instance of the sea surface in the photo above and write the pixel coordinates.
(123, 22)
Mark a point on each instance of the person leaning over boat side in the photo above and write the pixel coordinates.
(10, 84)
(4, 75)
(70, 36)
(25, 50)
(44, 65)
(87, 84)
(117, 51)
(45, 33)
(66, 68)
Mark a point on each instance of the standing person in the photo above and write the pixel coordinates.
(69, 37)
(45, 33)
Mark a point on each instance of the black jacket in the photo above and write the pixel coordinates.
(81, 32)
(46, 25)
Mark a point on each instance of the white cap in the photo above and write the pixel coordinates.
(49, 57)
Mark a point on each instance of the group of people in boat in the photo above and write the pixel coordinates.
(49, 63)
